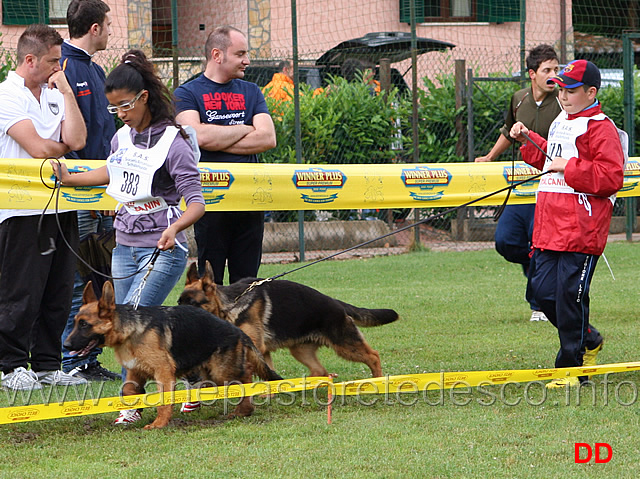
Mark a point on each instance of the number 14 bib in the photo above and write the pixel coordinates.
(131, 171)
(562, 142)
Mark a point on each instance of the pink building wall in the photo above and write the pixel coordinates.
(118, 42)
(489, 47)
(486, 47)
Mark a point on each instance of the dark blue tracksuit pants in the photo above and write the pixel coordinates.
(560, 284)
(513, 240)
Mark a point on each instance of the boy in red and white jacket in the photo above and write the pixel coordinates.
(573, 210)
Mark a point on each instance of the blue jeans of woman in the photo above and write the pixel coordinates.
(166, 272)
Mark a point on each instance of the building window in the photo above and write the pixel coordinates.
(495, 11)
(58, 11)
(26, 12)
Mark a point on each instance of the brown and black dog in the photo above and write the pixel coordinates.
(166, 342)
(283, 314)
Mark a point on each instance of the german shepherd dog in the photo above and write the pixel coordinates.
(283, 314)
(166, 342)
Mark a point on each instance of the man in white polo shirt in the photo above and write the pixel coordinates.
(39, 118)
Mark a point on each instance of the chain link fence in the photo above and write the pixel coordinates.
(449, 117)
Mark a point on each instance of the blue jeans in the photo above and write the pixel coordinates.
(87, 224)
(166, 272)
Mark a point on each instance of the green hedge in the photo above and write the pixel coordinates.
(612, 100)
(347, 124)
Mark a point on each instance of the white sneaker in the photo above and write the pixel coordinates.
(20, 379)
(190, 406)
(59, 378)
(128, 416)
(538, 316)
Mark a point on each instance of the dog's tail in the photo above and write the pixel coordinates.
(260, 366)
(370, 317)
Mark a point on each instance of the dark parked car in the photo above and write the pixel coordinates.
(367, 50)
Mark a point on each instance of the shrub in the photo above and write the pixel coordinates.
(345, 123)
(7, 62)
(612, 100)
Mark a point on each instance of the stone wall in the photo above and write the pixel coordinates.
(259, 31)
(318, 235)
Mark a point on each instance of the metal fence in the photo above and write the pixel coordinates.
(442, 101)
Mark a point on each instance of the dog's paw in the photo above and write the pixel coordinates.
(156, 425)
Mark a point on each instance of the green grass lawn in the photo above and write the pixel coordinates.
(460, 311)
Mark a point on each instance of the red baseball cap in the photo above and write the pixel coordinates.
(578, 73)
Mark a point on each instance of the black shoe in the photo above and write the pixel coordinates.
(94, 372)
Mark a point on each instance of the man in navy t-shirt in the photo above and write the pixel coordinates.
(233, 124)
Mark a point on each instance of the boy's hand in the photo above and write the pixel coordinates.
(558, 164)
(516, 132)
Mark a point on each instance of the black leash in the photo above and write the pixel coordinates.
(156, 252)
(425, 220)
(536, 145)
(501, 208)
(57, 185)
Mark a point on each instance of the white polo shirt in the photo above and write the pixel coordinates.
(17, 103)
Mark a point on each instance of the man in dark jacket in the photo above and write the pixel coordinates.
(536, 106)
(89, 24)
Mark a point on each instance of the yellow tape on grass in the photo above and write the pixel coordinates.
(409, 383)
(39, 412)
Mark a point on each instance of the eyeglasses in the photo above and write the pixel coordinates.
(126, 106)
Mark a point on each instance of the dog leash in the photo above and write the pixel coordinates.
(425, 220)
(536, 145)
(253, 285)
(57, 185)
(137, 294)
(501, 208)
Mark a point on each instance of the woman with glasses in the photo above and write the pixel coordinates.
(151, 167)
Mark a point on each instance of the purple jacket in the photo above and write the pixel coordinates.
(177, 178)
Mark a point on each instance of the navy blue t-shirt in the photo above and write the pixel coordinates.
(232, 103)
(86, 79)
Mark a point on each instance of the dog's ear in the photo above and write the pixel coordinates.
(192, 274)
(88, 295)
(208, 271)
(107, 303)
(207, 280)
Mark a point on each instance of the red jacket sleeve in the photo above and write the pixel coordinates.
(531, 154)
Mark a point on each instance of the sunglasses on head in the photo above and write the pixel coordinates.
(126, 106)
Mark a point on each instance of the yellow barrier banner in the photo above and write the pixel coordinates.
(449, 380)
(271, 187)
(409, 383)
(54, 410)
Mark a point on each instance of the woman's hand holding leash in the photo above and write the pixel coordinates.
(168, 239)
(60, 170)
